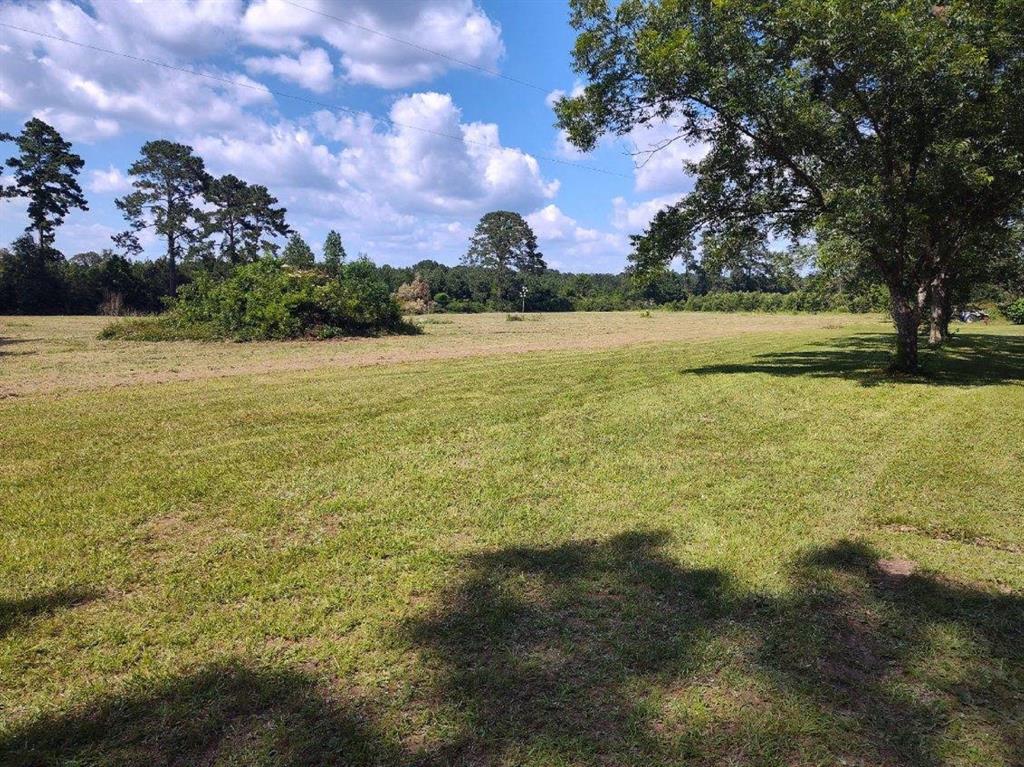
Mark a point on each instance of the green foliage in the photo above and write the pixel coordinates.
(1014, 311)
(244, 215)
(334, 253)
(163, 328)
(168, 179)
(266, 300)
(30, 279)
(896, 126)
(297, 253)
(45, 172)
(797, 301)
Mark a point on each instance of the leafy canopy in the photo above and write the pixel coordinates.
(895, 125)
(297, 253)
(503, 240)
(334, 252)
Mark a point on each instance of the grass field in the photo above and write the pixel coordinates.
(590, 539)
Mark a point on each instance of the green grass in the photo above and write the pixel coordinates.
(672, 552)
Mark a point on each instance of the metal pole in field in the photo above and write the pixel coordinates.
(522, 295)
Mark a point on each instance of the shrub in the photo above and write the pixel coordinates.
(1014, 311)
(797, 301)
(269, 300)
(465, 307)
(414, 297)
(162, 328)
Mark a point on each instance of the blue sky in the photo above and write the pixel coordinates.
(331, 156)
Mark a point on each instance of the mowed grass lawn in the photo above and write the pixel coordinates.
(573, 540)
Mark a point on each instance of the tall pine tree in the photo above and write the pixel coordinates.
(45, 172)
(169, 180)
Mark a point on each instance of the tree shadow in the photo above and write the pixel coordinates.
(5, 341)
(907, 657)
(551, 651)
(537, 646)
(224, 714)
(14, 612)
(972, 360)
(611, 652)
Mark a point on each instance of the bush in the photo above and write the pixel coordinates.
(465, 307)
(1014, 311)
(797, 301)
(414, 297)
(268, 300)
(162, 328)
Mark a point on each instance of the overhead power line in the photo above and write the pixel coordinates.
(295, 97)
(421, 48)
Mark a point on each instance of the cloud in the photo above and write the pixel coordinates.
(441, 165)
(312, 68)
(552, 98)
(660, 158)
(90, 96)
(109, 181)
(405, 192)
(634, 217)
(563, 237)
(458, 29)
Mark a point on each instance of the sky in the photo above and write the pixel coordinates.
(397, 123)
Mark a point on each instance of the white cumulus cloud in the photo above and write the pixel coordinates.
(371, 37)
(312, 68)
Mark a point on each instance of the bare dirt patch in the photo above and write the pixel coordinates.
(896, 568)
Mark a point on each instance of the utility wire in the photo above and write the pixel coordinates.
(283, 94)
(419, 47)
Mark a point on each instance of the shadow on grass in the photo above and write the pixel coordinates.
(553, 653)
(612, 653)
(4, 341)
(971, 359)
(224, 714)
(14, 612)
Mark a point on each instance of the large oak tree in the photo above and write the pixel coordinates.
(893, 126)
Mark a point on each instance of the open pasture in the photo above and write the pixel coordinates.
(682, 539)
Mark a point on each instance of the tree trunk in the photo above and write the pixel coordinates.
(906, 316)
(172, 272)
(941, 310)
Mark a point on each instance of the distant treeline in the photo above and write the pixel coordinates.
(35, 282)
(213, 227)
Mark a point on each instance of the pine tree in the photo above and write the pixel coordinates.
(45, 171)
(334, 253)
(504, 242)
(244, 214)
(169, 180)
(297, 253)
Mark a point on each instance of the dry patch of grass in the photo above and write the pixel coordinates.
(60, 354)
